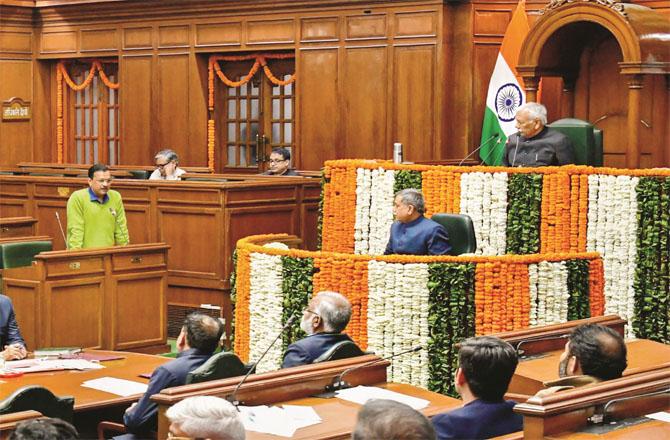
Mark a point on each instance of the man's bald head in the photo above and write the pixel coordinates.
(600, 351)
(334, 310)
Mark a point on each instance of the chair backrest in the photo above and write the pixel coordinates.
(587, 143)
(139, 174)
(461, 232)
(219, 366)
(40, 399)
(341, 350)
(19, 254)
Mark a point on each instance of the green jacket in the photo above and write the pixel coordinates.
(93, 224)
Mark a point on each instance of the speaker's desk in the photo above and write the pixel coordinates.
(104, 298)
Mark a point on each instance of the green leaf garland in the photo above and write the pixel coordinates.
(451, 319)
(524, 195)
(297, 290)
(407, 179)
(578, 288)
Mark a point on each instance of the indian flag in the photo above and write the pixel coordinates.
(505, 93)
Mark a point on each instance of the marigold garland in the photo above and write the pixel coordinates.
(243, 272)
(59, 115)
(596, 287)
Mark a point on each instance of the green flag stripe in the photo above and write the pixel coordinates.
(492, 152)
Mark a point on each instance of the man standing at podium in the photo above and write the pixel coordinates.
(95, 215)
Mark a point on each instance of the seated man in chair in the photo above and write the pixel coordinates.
(324, 319)
(12, 345)
(198, 339)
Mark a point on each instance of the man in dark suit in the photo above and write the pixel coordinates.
(11, 342)
(486, 366)
(324, 319)
(196, 343)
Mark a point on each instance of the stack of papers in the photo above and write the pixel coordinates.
(119, 387)
(273, 420)
(39, 365)
(362, 394)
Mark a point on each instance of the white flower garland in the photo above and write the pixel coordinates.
(398, 317)
(381, 210)
(362, 223)
(612, 231)
(484, 199)
(265, 309)
(548, 293)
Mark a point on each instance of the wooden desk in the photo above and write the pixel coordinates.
(649, 430)
(17, 227)
(105, 298)
(90, 404)
(530, 374)
(339, 416)
(295, 386)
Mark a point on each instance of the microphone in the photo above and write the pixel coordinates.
(493, 136)
(232, 396)
(61, 228)
(338, 384)
(518, 135)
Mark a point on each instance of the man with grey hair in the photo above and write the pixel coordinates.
(167, 168)
(324, 319)
(206, 417)
(390, 420)
(412, 233)
(535, 144)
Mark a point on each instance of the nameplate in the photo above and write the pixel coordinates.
(16, 109)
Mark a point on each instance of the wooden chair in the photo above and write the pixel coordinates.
(39, 399)
(461, 232)
(341, 350)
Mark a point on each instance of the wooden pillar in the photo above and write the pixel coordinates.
(531, 84)
(634, 93)
(568, 98)
(664, 158)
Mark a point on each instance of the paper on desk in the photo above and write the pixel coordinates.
(37, 365)
(362, 394)
(663, 416)
(277, 421)
(120, 387)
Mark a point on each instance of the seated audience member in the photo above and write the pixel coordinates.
(323, 320)
(390, 420)
(198, 339)
(280, 163)
(12, 344)
(593, 353)
(486, 366)
(536, 145)
(412, 233)
(167, 163)
(206, 417)
(44, 429)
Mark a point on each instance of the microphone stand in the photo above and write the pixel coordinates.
(231, 397)
(339, 384)
(493, 136)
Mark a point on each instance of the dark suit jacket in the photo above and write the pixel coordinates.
(9, 329)
(143, 418)
(304, 351)
(477, 420)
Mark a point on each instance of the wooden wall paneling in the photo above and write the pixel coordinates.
(47, 223)
(16, 41)
(137, 118)
(139, 225)
(14, 199)
(27, 298)
(270, 31)
(194, 152)
(366, 27)
(173, 102)
(143, 294)
(319, 29)
(413, 102)
(44, 125)
(318, 106)
(58, 42)
(416, 24)
(218, 34)
(170, 36)
(95, 40)
(365, 74)
(16, 140)
(138, 38)
(88, 294)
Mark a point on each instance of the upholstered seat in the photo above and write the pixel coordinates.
(461, 232)
(341, 350)
(21, 253)
(219, 366)
(39, 399)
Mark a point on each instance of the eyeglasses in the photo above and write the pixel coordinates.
(312, 312)
(277, 160)
(163, 165)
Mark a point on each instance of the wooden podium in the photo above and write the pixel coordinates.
(105, 298)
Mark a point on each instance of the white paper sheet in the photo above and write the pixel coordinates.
(663, 416)
(362, 394)
(120, 387)
(278, 421)
(38, 365)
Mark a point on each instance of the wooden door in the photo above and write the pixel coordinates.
(254, 117)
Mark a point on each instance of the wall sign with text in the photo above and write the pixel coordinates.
(16, 109)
